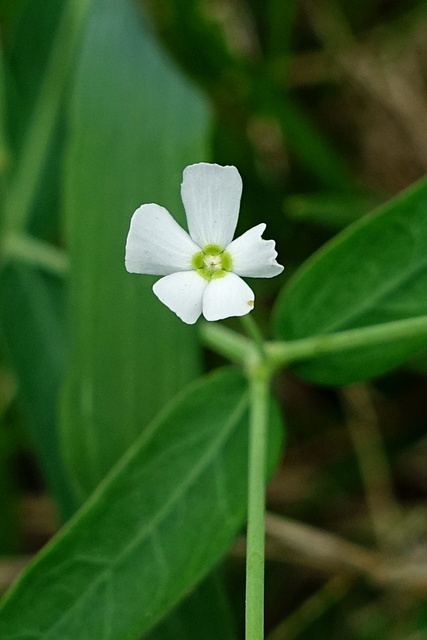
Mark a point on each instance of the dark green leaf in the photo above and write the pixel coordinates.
(375, 272)
(160, 520)
(3, 138)
(26, 56)
(32, 326)
(37, 140)
(9, 515)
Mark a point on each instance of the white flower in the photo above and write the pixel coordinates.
(202, 269)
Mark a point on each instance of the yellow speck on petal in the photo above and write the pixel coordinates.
(251, 303)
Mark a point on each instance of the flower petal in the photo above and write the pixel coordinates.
(211, 196)
(182, 292)
(226, 297)
(156, 244)
(254, 257)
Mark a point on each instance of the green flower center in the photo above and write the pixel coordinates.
(212, 262)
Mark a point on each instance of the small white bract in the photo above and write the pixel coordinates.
(201, 269)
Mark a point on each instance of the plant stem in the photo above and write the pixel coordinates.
(226, 342)
(23, 186)
(283, 353)
(254, 332)
(256, 506)
(37, 253)
(279, 354)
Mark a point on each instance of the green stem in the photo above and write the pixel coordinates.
(254, 332)
(37, 253)
(256, 506)
(283, 353)
(226, 342)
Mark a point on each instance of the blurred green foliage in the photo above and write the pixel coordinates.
(322, 107)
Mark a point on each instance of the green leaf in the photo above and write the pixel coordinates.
(38, 56)
(156, 525)
(37, 141)
(4, 158)
(33, 333)
(373, 273)
(135, 124)
(9, 517)
(27, 51)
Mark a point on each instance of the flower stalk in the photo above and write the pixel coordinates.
(250, 353)
(259, 383)
(254, 332)
(280, 354)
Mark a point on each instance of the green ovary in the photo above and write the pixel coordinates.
(212, 262)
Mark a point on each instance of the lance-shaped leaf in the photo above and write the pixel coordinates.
(373, 273)
(33, 334)
(135, 125)
(152, 529)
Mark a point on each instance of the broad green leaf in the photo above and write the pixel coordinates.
(373, 273)
(164, 515)
(33, 336)
(135, 124)
(9, 9)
